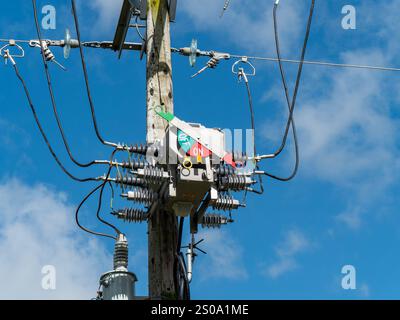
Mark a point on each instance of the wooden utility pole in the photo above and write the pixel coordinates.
(162, 228)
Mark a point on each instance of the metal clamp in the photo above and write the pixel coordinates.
(5, 51)
(240, 71)
(48, 55)
(216, 57)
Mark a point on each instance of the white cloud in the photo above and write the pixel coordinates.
(281, 267)
(351, 218)
(10, 133)
(347, 132)
(246, 24)
(294, 243)
(107, 14)
(348, 136)
(223, 259)
(37, 229)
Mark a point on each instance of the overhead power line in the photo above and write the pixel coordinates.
(321, 63)
(186, 51)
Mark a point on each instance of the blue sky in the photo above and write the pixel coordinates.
(291, 242)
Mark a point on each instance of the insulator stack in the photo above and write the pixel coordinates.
(213, 62)
(131, 215)
(226, 5)
(134, 164)
(153, 175)
(121, 253)
(138, 149)
(129, 180)
(225, 170)
(236, 182)
(225, 203)
(49, 56)
(141, 195)
(212, 220)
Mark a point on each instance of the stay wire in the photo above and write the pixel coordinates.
(44, 136)
(291, 104)
(85, 74)
(52, 96)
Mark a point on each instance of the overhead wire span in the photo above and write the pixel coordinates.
(320, 63)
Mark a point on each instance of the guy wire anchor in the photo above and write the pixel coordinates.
(216, 57)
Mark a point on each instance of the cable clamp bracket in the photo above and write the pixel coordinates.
(240, 70)
(5, 52)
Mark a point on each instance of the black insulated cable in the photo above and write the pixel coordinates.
(52, 96)
(46, 140)
(253, 127)
(291, 104)
(85, 74)
(139, 149)
(77, 216)
(106, 180)
(101, 187)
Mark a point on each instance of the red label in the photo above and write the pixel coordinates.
(199, 150)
